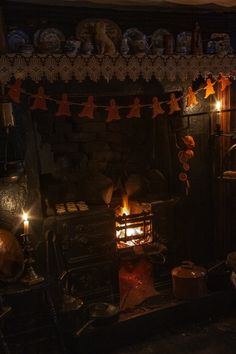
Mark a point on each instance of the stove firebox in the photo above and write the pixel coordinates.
(134, 229)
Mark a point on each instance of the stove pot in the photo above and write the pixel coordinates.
(189, 281)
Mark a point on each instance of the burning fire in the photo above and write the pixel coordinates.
(125, 208)
(126, 234)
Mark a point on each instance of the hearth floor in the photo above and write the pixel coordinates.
(161, 325)
(156, 315)
(211, 337)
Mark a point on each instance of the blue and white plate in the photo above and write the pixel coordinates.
(183, 43)
(16, 40)
(158, 40)
(136, 41)
(49, 40)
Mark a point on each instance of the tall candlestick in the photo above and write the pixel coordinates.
(26, 223)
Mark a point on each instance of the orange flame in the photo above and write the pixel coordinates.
(125, 208)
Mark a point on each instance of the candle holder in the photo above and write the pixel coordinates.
(30, 277)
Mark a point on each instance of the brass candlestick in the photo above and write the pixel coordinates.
(30, 277)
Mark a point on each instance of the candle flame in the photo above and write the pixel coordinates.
(218, 105)
(25, 216)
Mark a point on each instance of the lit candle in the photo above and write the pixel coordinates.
(218, 106)
(218, 114)
(26, 223)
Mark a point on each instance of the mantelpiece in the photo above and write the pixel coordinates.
(60, 66)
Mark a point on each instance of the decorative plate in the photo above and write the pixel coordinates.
(16, 40)
(49, 40)
(137, 41)
(221, 42)
(157, 40)
(183, 42)
(86, 30)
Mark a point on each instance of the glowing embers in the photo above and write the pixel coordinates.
(133, 229)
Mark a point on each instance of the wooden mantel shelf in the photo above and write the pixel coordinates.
(80, 67)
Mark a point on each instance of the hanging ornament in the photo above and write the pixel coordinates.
(189, 141)
(40, 100)
(191, 97)
(209, 88)
(156, 107)
(64, 106)
(113, 111)
(174, 105)
(14, 91)
(224, 81)
(88, 109)
(184, 156)
(135, 109)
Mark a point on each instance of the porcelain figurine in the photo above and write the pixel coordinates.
(103, 41)
(197, 40)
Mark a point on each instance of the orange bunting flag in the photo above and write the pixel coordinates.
(174, 105)
(88, 109)
(135, 109)
(14, 91)
(64, 107)
(156, 107)
(209, 88)
(224, 81)
(191, 97)
(40, 100)
(113, 111)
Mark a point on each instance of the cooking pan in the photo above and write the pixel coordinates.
(100, 313)
(189, 281)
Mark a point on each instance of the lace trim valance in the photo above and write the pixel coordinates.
(60, 66)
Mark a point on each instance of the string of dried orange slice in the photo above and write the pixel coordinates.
(184, 156)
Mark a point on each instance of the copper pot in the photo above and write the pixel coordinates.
(189, 281)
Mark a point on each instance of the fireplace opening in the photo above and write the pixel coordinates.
(104, 191)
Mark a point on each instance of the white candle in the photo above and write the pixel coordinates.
(218, 114)
(26, 223)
